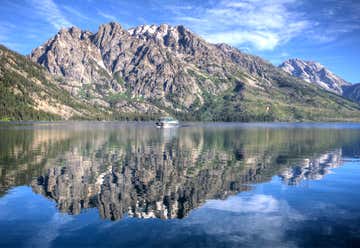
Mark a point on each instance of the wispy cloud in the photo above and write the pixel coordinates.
(262, 40)
(47, 234)
(51, 12)
(6, 30)
(107, 16)
(338, 19)
(75, 12)
(262, 25)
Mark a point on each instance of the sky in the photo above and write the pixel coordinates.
(326, 31)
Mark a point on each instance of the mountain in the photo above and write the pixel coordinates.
(28, 92)
(144, 69)
(316, 73)
(149, 71)
(352, 92)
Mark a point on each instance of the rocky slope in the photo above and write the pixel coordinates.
(28, 92)
(316, 73)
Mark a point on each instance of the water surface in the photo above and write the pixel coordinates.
(118, 184)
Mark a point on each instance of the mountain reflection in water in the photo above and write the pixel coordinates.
(140, 171)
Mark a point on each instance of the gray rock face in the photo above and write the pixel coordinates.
(72, 54)
(313, 72)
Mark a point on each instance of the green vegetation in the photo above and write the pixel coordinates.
(115, 98)
(119, 79)
(19, 105)
(22, 80)
(85, 92)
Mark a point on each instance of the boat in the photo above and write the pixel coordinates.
(165, 122)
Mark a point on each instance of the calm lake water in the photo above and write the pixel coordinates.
(95, 184)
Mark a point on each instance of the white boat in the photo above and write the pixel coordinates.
(165, 122)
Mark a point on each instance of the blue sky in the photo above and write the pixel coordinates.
(327, 31)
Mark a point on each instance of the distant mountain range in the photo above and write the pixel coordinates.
(316, 73)
(148, 71)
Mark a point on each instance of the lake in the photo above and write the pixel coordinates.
(128, 184)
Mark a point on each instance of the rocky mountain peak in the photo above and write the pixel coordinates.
(111, 28)
(143, 29)
(157, 30)
(73, 32)
(315, 73)
(72, 54)
(164, 34)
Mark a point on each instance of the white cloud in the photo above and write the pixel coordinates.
(52, 14)
(262, 40)
(262, 25)
(254, 204)
(256, 219)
